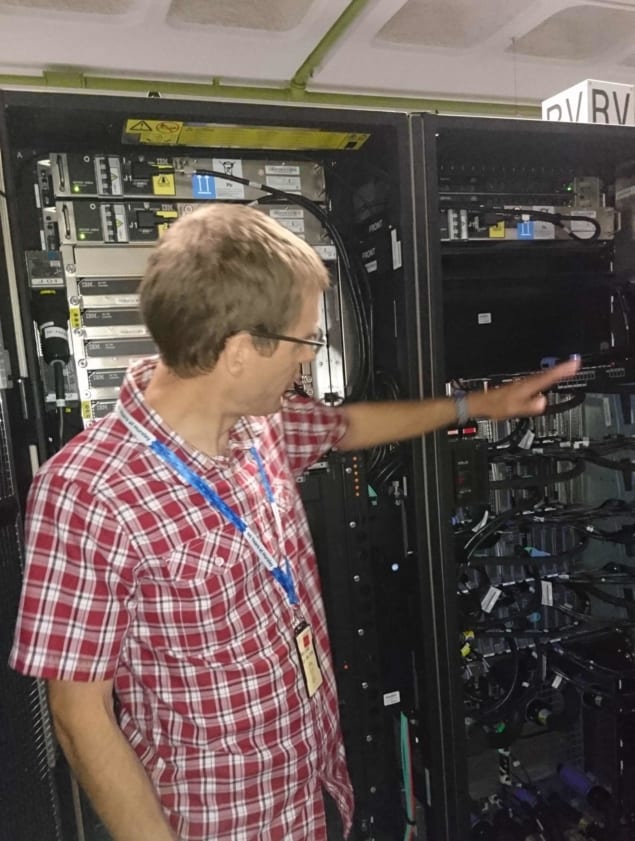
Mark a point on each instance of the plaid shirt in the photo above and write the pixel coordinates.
(132, 576)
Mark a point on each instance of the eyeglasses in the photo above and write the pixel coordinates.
(318, 341)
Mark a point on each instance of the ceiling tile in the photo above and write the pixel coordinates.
(100, 7)
(448, 23)
(577, 33)
(273, 15)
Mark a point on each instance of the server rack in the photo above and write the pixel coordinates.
(443, 214)
(87, 189)
(506, 284)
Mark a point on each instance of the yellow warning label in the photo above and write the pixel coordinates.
(87, 410)
(167, 214)
(155, 132)
(138, 125)
(497, 231)
(279, 137)
(206, 135)
(74, 317)
(163, 184)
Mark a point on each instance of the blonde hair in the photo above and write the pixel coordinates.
(220, 270)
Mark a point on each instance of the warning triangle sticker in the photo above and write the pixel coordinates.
(140, 125)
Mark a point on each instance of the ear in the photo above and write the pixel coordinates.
(237, 353)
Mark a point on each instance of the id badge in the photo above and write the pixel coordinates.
(311, 671)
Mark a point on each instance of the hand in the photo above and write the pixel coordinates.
(521, 398)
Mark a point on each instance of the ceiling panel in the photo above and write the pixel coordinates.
(485, 50)
(245, 42)
(454, 23)
(102, 7)
(469, 49)
(579, 33)
(277, 15)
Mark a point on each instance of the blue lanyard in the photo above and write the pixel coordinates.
(284, 576)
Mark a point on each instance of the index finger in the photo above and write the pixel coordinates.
(545, 379)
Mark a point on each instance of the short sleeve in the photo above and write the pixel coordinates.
(75, 603)
(310, 430)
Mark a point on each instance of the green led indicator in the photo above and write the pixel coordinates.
(76, 188)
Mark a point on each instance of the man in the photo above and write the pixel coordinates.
(171, 596)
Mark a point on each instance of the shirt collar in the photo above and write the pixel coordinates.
(245, 433)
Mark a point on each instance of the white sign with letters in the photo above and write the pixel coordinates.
(591, 101)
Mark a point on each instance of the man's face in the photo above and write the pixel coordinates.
(270, 376)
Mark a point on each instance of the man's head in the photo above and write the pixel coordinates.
(221, 270)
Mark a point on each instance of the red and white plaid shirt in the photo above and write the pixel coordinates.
(132, 576)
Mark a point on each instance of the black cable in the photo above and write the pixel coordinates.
(533, 604)
(575, 400)
(492, 712)
(60, 427)
(557, 219)
(592, 666)
(527, 482)
(607, 598)
(493, 524)
(567, 555)
(510, 442)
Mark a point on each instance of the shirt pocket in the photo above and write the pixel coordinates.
(208, 556)
(188, 601)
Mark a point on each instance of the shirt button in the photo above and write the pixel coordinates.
(219, 561)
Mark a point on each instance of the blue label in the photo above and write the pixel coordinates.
(525, 230)
(204, 186)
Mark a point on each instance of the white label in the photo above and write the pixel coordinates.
(608, 415)
(286, 213)
(229, 189)
(326, 252)
(281, 169)
(485, 318)
(490, 598)
(546, 588)
(556, 681)
(371, 267)
(296, 226)
(291, 218)
(47, 281)
(391, 698)
(481, 522)
(52, 332)
(288, 183)
(396, 250)
(527, 440)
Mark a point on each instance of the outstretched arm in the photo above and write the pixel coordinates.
(370, 424)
